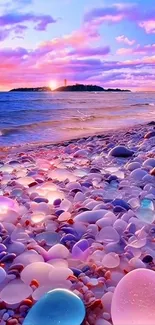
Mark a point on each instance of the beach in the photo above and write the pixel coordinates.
(78, 214)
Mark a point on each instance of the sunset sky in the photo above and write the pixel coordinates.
(102, 42)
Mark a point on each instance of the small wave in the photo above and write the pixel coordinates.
(143, 104)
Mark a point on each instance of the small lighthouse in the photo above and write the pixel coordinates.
(65, 82)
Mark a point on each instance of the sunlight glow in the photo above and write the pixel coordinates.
(53, 84)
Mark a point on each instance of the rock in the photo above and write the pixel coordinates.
(138, 174)
(90, 216)
(152, 172)
(121, 203)
(149, 135)
(149, 162)
(121, 151)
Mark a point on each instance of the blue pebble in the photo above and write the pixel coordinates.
(59, 212)
(68, 237)
(121, 203)
(76, 272)
(69, 230)
(85, 268)
(57, 307)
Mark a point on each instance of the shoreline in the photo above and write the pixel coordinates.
(106, 133)
(78, 215)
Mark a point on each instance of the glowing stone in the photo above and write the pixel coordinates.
(15, 291)
(58, 306)
(39, 271)
(134, 299)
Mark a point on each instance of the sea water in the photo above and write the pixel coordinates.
(27, 117)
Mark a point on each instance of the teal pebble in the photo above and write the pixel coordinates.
(57, 307)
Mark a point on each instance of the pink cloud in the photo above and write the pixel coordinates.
(138, 50)
(125, 40)
(118, 12)
(149, 26)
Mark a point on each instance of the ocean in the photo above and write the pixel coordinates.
(29, 118)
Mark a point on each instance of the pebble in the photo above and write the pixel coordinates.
(120, 151)
(79, 219)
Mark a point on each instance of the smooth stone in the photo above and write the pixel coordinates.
(111, 260)
(16, 247)
(2, 274)
(149, 162)
(58, 251)
(57, 307)
(122, 203)
(120, 151)
(132, 166)
(59, 274)
(28, 257)
(134, 298)
(146, 215)
(15, 292)
(90, 216)
(138, 174)
(147, 204)
(149, 135)
(80, 154)
(108, 235)
(51, 238)
(39, 271)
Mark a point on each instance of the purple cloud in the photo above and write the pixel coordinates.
(41, 21)
(118, 12)
(85, 52)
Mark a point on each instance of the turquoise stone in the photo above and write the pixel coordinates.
(147, 204)
(57, 307)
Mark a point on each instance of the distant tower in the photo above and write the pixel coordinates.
(65, 82)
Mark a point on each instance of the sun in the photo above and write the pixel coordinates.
(53, 84)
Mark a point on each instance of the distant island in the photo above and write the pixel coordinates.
(76, 87)
(41, 89)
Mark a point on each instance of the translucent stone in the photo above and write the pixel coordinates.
(145, 215)
(38, 217)
(54, 195)
(28, 257)
(147, 204)
(132, 166)
(66, 205)
(133, 299)
(2, 274)
(111, 260)
(138, 174)
(79, 197)
(62, 175)
(16, 247)
(137, 242)
(57, 307)
(60, 274)
(64, 216)
(51, 238)
(20, 235)
(39, 292)
(8, 215)
(39, 271)
(108, 235)
(58, 263)
(25, 181)
(90, 216)
(106, 301)
(58, 251)
(15, 292)
(134, 203)
(41, 208)
(136, 263)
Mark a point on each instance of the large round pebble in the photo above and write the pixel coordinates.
(57, 307)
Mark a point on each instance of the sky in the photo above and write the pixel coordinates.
(102, 42)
